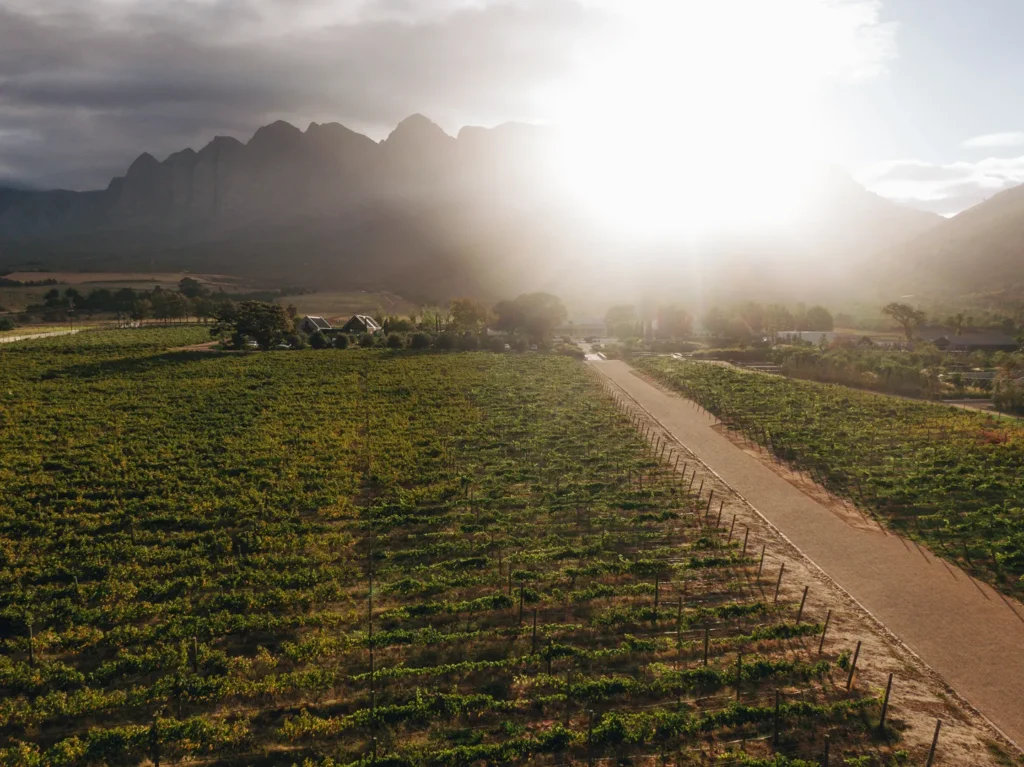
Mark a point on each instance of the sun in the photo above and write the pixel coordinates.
(702, 116)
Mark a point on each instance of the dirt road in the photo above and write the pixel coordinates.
(969, 634)
(31, 336)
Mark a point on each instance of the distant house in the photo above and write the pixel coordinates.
(311, 325)
(988, 340)
(814, 337)
(360, 323)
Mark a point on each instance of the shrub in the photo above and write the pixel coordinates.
(6, 323)
(341, 341)
(318, 340)
(395, 341)
(468, 342)
(419, 341)
(445, 341)
(366, 340)
(495, 343)
(296, 340)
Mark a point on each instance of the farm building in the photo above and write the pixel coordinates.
(361, 323)
(989, 341)
(314, 324)
(808, 336)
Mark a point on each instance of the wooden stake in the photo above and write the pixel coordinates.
(824, 629)
(853, 668)
(885, 703)
(739, 673)
(533, 641)
(778, 583)
(775, 724)
(935, 742)
(760, 565)
(803, 601)
(746, 535)
(731, 528)
(707, 640)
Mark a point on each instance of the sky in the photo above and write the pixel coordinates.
(919, 99)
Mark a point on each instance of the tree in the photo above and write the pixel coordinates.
(395, 341)
(192, 288)
(621, 320)
(341, 341)
(470, 315)
(716, 322)
(674, 322)
(819, 318)
(778, 317)
(906, 316)
(419, 341)
(318, 340)
(535, 314)
(266, 324)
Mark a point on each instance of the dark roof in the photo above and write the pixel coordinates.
(968, 339)
(363, 321)
(319, 323)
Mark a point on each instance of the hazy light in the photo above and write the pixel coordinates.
(701, 118)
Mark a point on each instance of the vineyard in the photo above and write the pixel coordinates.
(362, 557)
(944, 476)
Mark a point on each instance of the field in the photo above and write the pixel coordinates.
(360, 557)
(338, 306)
(949, 478)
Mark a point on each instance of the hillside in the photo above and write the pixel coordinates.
(978, 251)
(422, 213)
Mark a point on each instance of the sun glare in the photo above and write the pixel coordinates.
(702, 117)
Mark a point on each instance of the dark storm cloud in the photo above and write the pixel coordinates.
(85, 86)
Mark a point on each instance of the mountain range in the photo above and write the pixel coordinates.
(432, 215)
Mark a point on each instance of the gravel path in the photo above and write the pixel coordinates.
(970, 635)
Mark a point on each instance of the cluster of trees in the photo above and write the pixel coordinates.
(738, 323)
(192, 300)
(528, 319)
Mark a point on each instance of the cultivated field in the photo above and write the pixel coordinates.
(360, 557)
(947, 477)
(338, 306)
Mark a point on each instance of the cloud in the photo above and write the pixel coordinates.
(995, 141)
(944, 189)
(90, 84)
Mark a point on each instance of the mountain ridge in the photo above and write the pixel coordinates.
(479, 209)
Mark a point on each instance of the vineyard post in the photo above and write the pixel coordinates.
(718, 522)
(700, 490)
(732, 527)
(676, 464)
(778, 583)
(803, 601)
(853, 667)
(711, 495)
(690, 487)
(533, 641)
(154, 742)
(679, 627)
(824, 630)
(885, 704)
(935, 742)
(707, 640)
(760, 565)
(746, 535)
(739, 673)
(775, 723)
